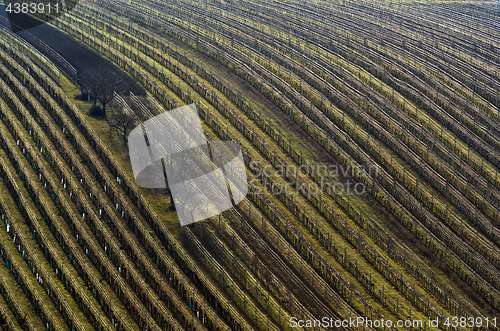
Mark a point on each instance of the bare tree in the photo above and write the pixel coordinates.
(121, 120)
(88, 84)
(101, 82)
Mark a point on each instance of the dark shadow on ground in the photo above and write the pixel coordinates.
(76, 53)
